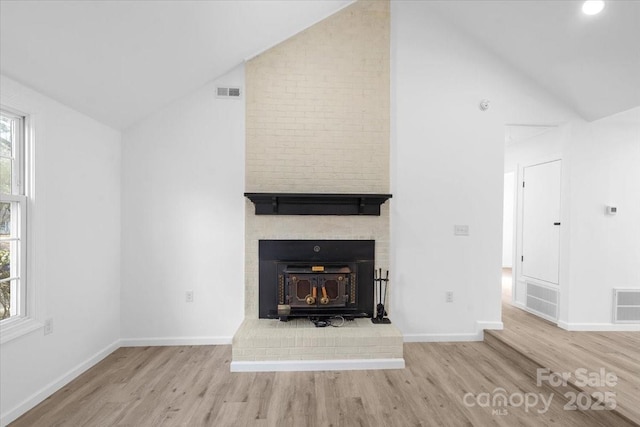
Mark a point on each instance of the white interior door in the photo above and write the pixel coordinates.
(541, 221)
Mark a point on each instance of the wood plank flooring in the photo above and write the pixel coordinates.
(192, 386)
(563, 351)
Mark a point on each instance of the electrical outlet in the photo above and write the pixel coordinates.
(48, 326)
(188, 296)
(449, 296)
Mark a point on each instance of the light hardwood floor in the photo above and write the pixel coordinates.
(192, 386)
(562, 351)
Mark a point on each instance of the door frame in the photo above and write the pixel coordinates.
(518, 292)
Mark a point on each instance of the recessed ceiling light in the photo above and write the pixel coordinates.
(593, 7)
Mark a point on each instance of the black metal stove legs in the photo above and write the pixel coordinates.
(284, 310)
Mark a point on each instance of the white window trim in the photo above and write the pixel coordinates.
(32, 320)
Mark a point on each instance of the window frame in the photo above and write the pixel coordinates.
(26, 318)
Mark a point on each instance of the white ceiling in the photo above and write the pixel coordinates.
(119, 61)
(591, 63)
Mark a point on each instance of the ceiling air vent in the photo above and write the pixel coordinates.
(228, 92)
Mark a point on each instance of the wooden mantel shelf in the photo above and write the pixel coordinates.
(317, 203)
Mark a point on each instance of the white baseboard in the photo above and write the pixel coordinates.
(159, 342)
(457, 337)
(497, 326)
(316, 365)
(442, 337)
(57, 384)
(599, 327)
(519, 305)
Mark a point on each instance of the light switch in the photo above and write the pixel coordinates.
(461, 230)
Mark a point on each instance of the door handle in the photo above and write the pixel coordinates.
(556, 223)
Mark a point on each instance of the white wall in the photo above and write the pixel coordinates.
(447, 168)
(597, 252)
(604, 170)
(183, 221)
(508, 216)
(539, 148)
(77, 251)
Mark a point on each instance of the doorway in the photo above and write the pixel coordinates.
(538, 238)
(531, 217)
(508, 228)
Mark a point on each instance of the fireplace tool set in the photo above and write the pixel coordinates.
(381, 297)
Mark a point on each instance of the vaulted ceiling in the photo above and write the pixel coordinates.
(591, 63)
(119, 61)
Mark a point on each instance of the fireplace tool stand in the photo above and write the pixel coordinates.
(381, 297)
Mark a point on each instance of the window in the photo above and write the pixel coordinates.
(13, 214)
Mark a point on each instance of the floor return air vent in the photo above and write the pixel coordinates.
(542, 300)
(626, 306)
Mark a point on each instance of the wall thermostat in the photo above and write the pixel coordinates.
(612, 210)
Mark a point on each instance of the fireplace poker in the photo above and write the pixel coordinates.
(380, 280)
(386, 283)
(377, 283)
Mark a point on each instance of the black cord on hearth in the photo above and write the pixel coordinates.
(323, 323)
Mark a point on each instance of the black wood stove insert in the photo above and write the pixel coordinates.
(316, 278)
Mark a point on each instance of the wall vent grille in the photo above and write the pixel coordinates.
(626, 306)
(542, 300)
(228, 92)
